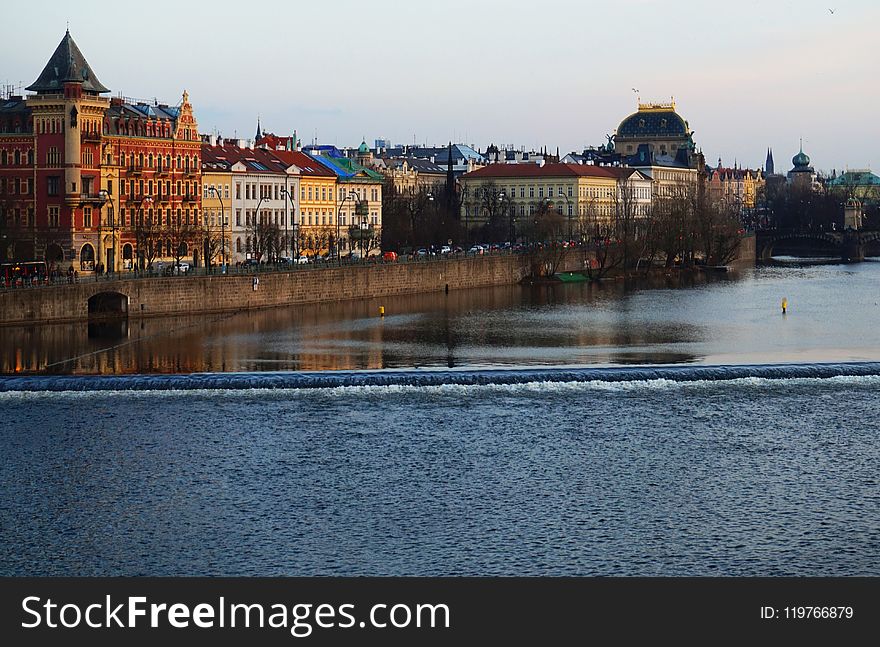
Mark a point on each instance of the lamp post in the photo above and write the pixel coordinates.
(140, 225)
(216, 193)
(108, 197)
(568, 216)
(345, 196)
(288, 194)
(502, 201)
(256, 224)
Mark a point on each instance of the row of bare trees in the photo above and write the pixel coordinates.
(684, 228)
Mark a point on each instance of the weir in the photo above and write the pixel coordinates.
(420, 378)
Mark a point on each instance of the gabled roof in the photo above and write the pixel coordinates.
(67, 64)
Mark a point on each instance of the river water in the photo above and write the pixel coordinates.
(660, 429)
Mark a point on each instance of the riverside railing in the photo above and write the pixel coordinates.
(64, 279)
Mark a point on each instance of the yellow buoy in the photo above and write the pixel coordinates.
(784, 305)
(381, 311)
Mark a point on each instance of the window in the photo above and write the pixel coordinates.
(522, 192)
(53, 216)
(226, 191)
(238, 218)
(30, 186)
(52, 185)
(87, 217)
(531, 192)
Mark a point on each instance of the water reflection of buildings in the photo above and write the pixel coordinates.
(498, 325)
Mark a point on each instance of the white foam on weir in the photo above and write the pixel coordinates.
(454, 390)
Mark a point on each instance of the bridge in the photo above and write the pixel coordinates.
(849, 246)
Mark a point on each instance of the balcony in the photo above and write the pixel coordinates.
(134, 170)
(163, 171)
(91, 137)
(189, 197)
(92, 198)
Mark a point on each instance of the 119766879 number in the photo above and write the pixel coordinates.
(808, 613)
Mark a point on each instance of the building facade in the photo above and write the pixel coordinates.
(263, 206)
(358, 203)
(735, 186)
(583, 194)
(90, 183)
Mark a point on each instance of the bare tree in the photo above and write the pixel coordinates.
(546, 229)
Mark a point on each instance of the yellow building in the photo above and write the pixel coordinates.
(581, 193)
(317, 224)
(216, 208)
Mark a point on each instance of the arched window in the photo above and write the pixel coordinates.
(238, 245)
(17, 156)
(87, 257)
(4, 158)
(150, 160)
(30, 157)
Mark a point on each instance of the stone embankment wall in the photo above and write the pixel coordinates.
(152, 297)
(746, 254)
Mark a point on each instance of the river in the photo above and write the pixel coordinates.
(509, 431)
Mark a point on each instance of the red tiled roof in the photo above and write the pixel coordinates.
(547, 170)
(306, 164)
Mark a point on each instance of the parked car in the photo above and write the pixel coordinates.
(389, 257)
(476, 249)
(422, 252)
(301, 260)
(446, 249)
(251, 263)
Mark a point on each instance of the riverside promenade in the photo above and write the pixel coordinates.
(175, 295)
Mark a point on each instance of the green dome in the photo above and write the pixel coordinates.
(363, 148)
(801, 160)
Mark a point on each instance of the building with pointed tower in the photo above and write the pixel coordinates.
(111, 180)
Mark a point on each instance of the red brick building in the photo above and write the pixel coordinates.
(93, 182)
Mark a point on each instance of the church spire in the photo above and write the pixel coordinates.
(259, 132)
(768, 166)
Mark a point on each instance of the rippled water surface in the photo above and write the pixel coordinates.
(466, 457)
(745, 477)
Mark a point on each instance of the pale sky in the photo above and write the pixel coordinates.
(746, 75)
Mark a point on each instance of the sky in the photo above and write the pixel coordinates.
(746, 75)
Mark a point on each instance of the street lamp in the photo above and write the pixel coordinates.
(107, 196)
(351, 194)
(140, 223)
(216, 193)
(285, 192)
(256, 224)
(502, 199)
(568, 217)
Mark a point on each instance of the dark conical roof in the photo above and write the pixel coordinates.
(67, 65)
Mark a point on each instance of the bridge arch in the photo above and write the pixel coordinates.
(108, 305)
(824, 244)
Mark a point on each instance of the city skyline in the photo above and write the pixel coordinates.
(752, 77)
